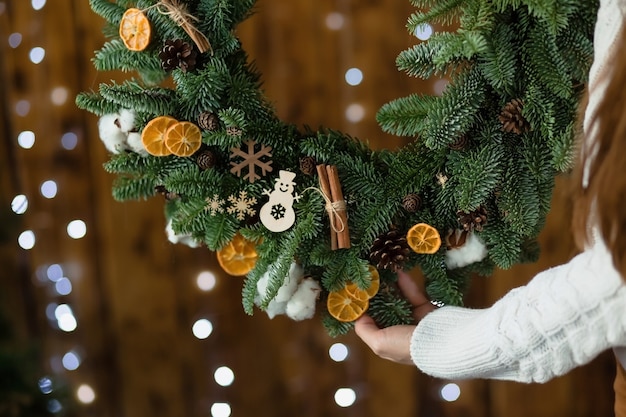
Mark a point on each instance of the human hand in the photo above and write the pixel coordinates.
(393, 343)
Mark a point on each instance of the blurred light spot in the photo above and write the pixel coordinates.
(440, 86)
(63, 286)
(38, 4)
(202, 328)
(206, 280)
(423, 32)
(65, 318)
(85, 394)
(76, 229)
(15, 39)
(26, 139)
(71, 361)
(37, 54)
(354, 76)
(355, 113)
(220, 410)
(54, 272)
(338, 352)
(51, 310)
(54, 406)
(26, 239)
(450, 392)
(19, 205)
(45, 385)
(224, 376)
(69, 141)
(59, 95)
(345, 397)
(22, 108)
(334, 21)
(49, 189)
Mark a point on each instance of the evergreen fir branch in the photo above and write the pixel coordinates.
(234, 117)
(555, 13)
(163, 26)
(477, 16)
(131, 163)
(334, 327)
(538, 110)
(477, 173)
(96, 104)
(389, 308)
(498, 63)
(133, 188)
(504, 244)
(414, 167)
(563, 149)
(418, 61)
(371, 217)
(190, 181)
(201, 90)
(445, 13)
(405, 116)
(501, 6)
(342, 268)
(577, 51)
(108, 10)
(115, 56)
(155, 100)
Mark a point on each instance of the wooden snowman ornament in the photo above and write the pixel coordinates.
(278, 214)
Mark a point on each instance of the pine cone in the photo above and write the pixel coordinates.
(206, 159)
(208, 121)
(177, 54)
(389, 251)
(459, 144)
(512, 119)
(474, 220)
(234, 131)
(412, 202)
(165, 193)
(308, 165)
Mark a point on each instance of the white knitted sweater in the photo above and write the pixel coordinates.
(563, 318)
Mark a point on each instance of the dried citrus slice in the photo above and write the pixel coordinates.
(135, 30)
(423, 238)
(344, 307)
(152, 136)
(238, 257)
(365, 294)
(183, 138)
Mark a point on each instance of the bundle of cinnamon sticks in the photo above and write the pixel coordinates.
(336, 206)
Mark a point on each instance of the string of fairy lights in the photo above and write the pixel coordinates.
(59, 283)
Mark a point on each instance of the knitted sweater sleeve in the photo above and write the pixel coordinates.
(563, 318)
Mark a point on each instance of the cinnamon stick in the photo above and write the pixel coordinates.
(325, 186)
(343, 235)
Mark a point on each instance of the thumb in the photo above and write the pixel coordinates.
(365, 327)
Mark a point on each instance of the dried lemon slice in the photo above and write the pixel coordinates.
(152, 136)
(135, 30)
(238, 257)
(183, 138)
(423, 238)
(372, 290)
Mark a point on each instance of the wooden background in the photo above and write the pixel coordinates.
(134, 294)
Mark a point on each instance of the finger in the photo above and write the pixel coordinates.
(410, 289)
(365, 327)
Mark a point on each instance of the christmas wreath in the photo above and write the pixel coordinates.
(316, 217)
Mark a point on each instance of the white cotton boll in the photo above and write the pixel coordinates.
(135, 143)
(177, 238)
(112, 136)
(126, 120)
(274, 309)
(290, 284)
(474, 250)
(301, 306)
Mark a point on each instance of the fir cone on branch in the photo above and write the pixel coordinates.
(459, 144)
(412, 202)
(177, 54)
(308, 165)
(206, 160)
(474, 220)
(389, 251)
(168, 195)
(208, 121)
(512, 119)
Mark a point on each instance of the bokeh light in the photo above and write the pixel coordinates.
(76, 229)
(202, 328)
(450, 392)
(338, 352)
(345, 397)
(224, 376)
(19, 204)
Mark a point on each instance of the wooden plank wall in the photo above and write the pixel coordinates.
(134, 294)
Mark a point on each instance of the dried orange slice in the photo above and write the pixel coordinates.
(344, 307)
(423, 238)
(238, 257)
(183, 138)
(372, 290)
(135, 30)
(153, 135)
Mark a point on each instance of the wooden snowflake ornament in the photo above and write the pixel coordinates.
(278, 214)
(250, 160)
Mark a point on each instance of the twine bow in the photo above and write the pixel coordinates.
(179, 14)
